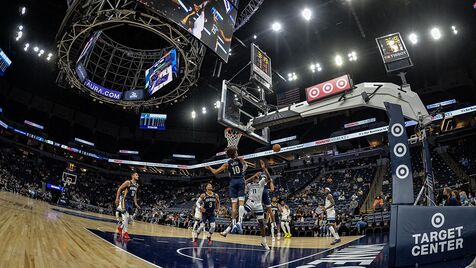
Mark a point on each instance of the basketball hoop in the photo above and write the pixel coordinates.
(233, 137)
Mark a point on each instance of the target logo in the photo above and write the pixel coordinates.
(313, 92)
(437, 220)
(397, 130)
(400, 149)
(341, 83)
(328, 88)
(402, 172)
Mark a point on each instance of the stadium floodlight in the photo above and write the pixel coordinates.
(292, 76)
(27, 45)
(413, 37)
(315, 67)
(36, 49)
(352, 56)
(338, 60)
(20, 27)
(19, 35)
(204, 110)
(194, 114)
(276, 27)
(22, 10)
(255, 36)
(435, 33)
(50, 54)
(217, 104)
(453, 28)
(306, 14)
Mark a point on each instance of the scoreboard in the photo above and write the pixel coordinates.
(261, 70)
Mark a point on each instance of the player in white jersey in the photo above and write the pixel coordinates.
(196, 27)
(198, 225)
(285, 219)
(254, 203)
(331, 215)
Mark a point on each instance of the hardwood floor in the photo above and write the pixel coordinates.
(35, 235)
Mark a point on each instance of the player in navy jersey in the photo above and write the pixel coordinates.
(211, 204)
(273, 210)
(236, 167)
(128, 190)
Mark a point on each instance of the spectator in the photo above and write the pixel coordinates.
(378, 204)
(449, 198)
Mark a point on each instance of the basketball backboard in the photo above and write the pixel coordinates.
(238, 106)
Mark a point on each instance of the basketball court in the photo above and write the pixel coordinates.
(41, 235)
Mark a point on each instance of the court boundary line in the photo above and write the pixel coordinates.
(135, 256)
(315, 254)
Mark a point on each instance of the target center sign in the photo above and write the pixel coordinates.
(328, 88)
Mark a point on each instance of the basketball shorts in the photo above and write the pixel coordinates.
(237, 189)
(210, 218)
(126, 206)
(266, 199)
(331, 217)
(256, 208)
(285, 218)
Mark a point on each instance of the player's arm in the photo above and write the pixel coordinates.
(218, 202)
(226, 39)
(250, 179)
(243, 162)
(218, 170)
(184, 20)
(135, 199)
(265, 170)
(120, 189)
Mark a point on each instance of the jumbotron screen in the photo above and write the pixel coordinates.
(211, 21)
(162, 72)
(152, 121)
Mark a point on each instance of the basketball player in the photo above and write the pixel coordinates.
(198, 25)
(236, 167)
(331, 215)
(267, 200)
(198, 225)
(274, 216)
(285, 219)
(128, 190)
(210, 203)
(254, 204)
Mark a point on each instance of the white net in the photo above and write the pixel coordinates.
(233, 137)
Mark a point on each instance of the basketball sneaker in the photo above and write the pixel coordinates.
(279, 236)
(335, 242)
(119, 229)
(126, 236)
(273, 239)
(265, 246)
(210, 241)
(224, 234)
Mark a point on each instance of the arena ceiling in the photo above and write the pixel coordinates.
(336, 27)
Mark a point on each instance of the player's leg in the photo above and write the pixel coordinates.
(283, 226)
(288, 229)
(258, 210)
(277, 224)
(333, 230)
(211, 220)
(119, 220)
(125, 220)
(241, 200)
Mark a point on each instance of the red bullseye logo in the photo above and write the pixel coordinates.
(327, 88)
(314, 92)
(341, 83)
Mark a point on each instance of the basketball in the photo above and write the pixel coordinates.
(276, 148)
